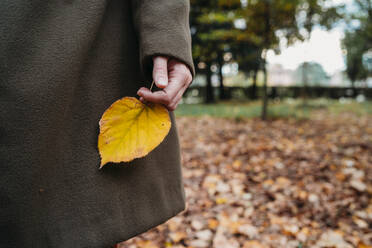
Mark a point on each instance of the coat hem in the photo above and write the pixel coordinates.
(147, 228)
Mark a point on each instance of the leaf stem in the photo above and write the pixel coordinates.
(152, 84)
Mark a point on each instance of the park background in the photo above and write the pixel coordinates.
(275, 130)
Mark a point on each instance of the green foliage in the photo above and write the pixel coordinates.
(210, 28)
(247, 29)
(358, 41)
(263, 23)
(354, 45)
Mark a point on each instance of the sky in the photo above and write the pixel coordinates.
(323, 47)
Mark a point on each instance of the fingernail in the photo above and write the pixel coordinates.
(162, 82)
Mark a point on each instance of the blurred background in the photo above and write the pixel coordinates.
(276, 128)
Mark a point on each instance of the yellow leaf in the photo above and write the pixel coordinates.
(221, 200)
(364, 246)
(213, 223)
(168, 244)
(253, 244)
(147, 244)
(130, 129)
(237, 164)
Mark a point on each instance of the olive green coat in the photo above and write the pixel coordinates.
(62, 63)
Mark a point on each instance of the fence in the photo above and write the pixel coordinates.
(283, 92)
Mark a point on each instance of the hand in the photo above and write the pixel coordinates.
(170, 75)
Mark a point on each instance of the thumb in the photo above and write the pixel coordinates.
(160, 71)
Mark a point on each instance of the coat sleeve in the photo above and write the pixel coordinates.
(162, 28)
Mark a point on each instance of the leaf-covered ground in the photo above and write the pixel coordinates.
(281, 183)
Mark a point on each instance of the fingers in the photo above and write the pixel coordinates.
(179, 78)
(157, 97)
(165, 96)
(160, 71)
(177, 99)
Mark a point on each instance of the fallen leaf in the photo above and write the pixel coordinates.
(221, 241)
(248, 230)
(360, 223)
(253, 244)
(204, 234)
(290, 230)
(147, 244)
(221, 200)
(177, 236)
(358, 185)
(364, 246)
(130, 129)
(213, 223)
(286, 185)
(333, 239)
(198, 224)
(199, 243)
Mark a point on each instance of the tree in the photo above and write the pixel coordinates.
(265, 18)
(291, 20)
(211, 23)
(314, 73)
(266, 23)
(358, 42)
(355, 47)
(248, 56)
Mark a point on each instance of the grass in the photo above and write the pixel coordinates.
(288, 108)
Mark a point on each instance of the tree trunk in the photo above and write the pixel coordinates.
(222, 93)
(305, 84)
(265, 96)
(209, 96)
(264, 55)
(253, 91)
(353, 84)
(353, 94)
